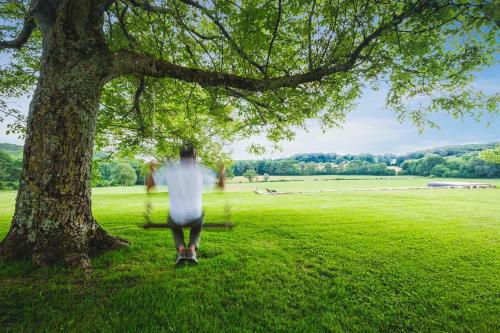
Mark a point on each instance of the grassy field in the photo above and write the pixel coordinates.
(333, 183)
(403, 260)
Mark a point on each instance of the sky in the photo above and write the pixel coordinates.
(370, 128)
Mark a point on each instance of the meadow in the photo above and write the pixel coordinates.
(344, 260)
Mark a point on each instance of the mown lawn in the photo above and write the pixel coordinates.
(406, 260)
(339, 182)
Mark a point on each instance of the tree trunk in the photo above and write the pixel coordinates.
(221, 182)
(53, 218)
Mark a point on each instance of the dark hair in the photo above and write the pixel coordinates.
(188, 151)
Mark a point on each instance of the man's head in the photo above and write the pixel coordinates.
(188, 153)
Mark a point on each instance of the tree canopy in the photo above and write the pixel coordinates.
(491, 155)
(211, 72)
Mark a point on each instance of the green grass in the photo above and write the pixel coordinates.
(406, 260)
(329, 183)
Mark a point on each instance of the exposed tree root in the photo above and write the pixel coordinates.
(102, 242)
(15, 246)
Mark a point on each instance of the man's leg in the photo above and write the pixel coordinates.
(177, 234)
(195, 234)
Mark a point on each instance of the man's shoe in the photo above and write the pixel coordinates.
(191, 257)
(181, 258)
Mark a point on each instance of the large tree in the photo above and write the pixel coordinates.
(276, 63)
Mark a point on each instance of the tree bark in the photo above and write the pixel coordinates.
(53, 219)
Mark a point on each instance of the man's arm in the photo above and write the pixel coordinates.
(209, 176)
(160, 176)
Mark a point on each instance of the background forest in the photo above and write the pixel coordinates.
(462, 161)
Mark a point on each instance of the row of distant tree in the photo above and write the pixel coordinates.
(10, 170)
(290, 167)
(117, 172)
(467, 161)
(393, 159)
(106, 171)
(467, 166)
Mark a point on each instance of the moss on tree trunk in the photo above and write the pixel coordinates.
(53, 219)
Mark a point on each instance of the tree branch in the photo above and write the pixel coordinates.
(179, 19)
(137, 103)
(16, 43)
(130, 62)
(173, 13)
(106, 4)
(309, 35)
(275, 33)
(224, 31)
(121, 22)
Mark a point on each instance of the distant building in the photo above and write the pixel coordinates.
(396, 169)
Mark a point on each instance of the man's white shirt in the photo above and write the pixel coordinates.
(185, 183)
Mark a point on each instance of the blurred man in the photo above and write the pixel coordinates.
(185, 181)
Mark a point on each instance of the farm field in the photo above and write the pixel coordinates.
(404, 260)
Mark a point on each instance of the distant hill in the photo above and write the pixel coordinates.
(458, 150)
(11, 148)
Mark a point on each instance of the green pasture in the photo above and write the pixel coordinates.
(333, 182)
(362, 261)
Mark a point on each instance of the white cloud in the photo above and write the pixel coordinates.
(373, 129)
